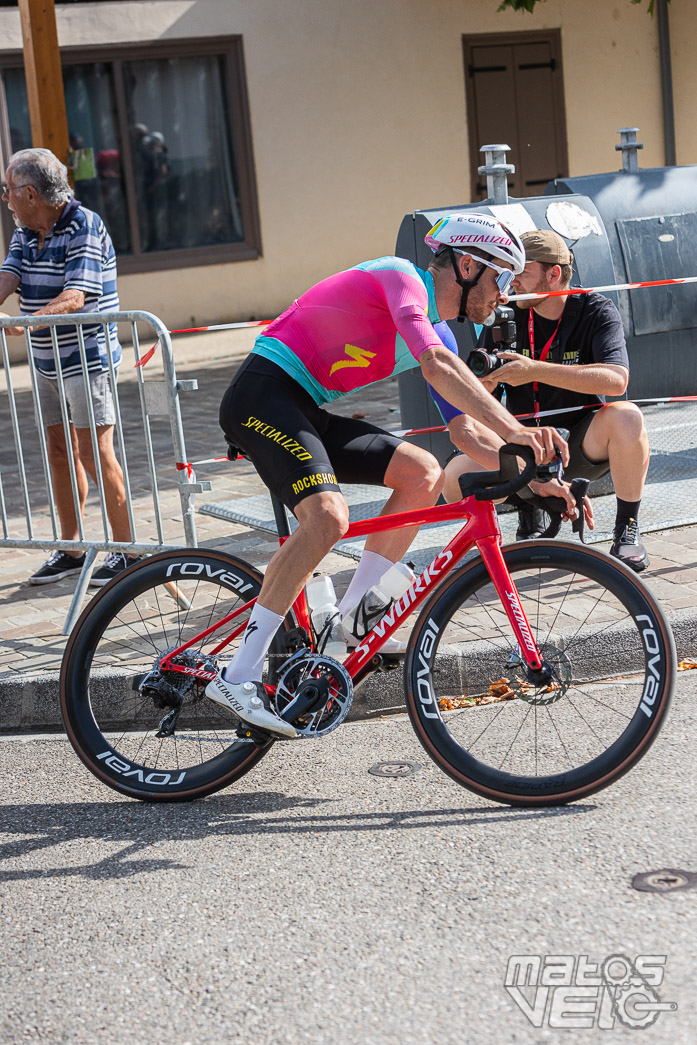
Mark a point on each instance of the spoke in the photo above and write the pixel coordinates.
(476, 633)
(609, 707)
(122, 643)
(570, 640)
(476, 740)
(554, 727)
(516, 735)
(585, 720)
(561, 601)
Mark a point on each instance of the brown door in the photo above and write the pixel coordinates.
(515, 97)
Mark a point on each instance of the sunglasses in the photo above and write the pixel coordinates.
(504, 277)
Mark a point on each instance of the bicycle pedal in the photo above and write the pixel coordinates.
(250, 735)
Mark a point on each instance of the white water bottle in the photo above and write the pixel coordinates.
(378, 599)
(325, 616)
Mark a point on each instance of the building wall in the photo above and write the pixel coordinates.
(358, 117)
(683, 34)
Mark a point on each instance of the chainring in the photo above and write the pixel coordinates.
(322, 689)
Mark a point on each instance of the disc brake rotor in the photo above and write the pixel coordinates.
(548, 692)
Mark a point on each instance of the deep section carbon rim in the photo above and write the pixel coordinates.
(115, 699)
(501, 733)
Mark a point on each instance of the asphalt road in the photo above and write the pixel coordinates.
(315, 902)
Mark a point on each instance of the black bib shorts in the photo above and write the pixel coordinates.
(297, 447)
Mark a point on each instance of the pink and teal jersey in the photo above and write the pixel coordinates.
(357, 327)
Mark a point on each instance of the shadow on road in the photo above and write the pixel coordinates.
(142, 826)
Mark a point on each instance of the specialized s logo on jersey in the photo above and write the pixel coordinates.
(358, 357)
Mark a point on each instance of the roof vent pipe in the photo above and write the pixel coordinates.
(628, 147)
(497, 171)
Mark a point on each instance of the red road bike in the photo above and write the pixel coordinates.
(534, 674)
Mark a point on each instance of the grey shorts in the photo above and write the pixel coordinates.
(76, 400)
(579, 465)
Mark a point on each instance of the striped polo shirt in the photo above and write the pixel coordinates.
(77, 254)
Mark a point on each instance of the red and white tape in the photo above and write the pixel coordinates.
(202, 330)
(602, 290)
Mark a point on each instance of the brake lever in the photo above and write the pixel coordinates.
(579, 489)
(555, 507)
(555, 469)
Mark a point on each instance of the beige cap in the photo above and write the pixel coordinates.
(546, 246)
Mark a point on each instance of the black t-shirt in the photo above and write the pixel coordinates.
(590, 331)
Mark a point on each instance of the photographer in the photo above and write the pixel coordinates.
(571, 353)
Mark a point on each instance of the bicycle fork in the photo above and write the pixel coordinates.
(490, 550)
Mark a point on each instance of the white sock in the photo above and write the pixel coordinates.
(248, 663)
(370, 569)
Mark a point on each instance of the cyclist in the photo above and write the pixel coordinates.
(345, 333)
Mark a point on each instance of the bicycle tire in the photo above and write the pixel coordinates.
(116, 642)
(613, 657)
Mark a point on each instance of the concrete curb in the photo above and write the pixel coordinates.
(30, 703)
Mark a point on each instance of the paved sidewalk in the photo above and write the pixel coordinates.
(32, 618)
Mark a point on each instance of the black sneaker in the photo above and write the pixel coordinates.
(531, 523)
(60, 564)
(627, 546)
(114, 564)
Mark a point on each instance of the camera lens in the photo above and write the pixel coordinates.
(482, 363)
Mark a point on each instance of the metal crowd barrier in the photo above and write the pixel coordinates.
(23, 493)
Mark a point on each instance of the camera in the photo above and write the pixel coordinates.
(482, 362)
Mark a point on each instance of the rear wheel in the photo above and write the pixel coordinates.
(147, 733)
(497, 731)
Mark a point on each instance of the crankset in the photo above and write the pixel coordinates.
(314, 693)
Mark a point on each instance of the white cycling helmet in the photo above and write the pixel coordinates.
(472, 231)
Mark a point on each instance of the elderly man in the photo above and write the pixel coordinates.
(571, 354)
(61, 260)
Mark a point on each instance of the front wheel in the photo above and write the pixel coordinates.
(149, 733)
(491, 726)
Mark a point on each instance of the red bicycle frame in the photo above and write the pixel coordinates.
(480, 528)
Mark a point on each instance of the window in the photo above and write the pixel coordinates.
(515, 96)
(160, 148)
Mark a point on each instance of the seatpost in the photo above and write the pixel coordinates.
(281, 517)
